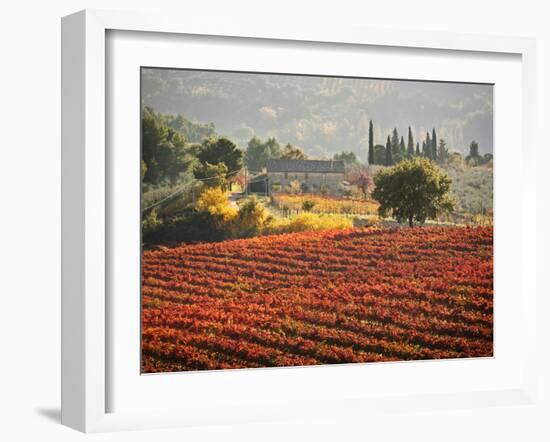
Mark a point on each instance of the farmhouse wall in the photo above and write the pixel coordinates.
(315, 179)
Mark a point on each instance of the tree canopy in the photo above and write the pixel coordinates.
(348, 158)
(164, 152)
(258, 152)
(219, 150)
(413, 190)
(291, 152)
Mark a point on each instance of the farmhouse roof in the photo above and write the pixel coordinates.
(322, 166)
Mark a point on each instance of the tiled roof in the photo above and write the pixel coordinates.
(322, 166)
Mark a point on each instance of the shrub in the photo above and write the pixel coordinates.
(187, 226)
(216, 202)
(346, 209)
(151, 223)
(308, 222)
(307, 205)
(250, 219)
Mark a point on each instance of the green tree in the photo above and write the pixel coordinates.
(474, 157)
(193, 132)
(291, 152)
(442, 152)
(308, 205)
(349, 158)
(434, 145)
(212, 175)
(395, 142)
(379, 154)
(427, 151)
(410, 144)
(371, 144)
(258, 152)
(402, 149)
(163, 150)
(219, 150)
(413, 190)
(389, 156)
(417, 151)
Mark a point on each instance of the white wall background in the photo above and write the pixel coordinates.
(30, 215)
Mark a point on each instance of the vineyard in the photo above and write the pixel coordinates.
(355, 295)
(325, 204)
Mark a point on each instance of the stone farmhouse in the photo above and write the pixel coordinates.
(313, 175)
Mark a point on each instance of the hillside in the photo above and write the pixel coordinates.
(322, 115)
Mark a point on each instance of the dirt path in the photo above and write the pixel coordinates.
(233, 197)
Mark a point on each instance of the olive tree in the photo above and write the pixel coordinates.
(413, 190)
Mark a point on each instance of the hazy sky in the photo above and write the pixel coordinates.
(323, 115)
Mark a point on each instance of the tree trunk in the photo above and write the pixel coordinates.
(411, 224)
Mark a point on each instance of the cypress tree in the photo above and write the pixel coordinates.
(434, 145)
(371, 144)
(417, 153)
(428, 146)
(395, 142)
(410, 144)
(402, 147)
(389, 156)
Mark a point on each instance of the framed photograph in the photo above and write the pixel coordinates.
(282, 223)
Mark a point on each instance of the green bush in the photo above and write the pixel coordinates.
(307, 205)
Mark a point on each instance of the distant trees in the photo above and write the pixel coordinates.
(371, 158)
(193, 132)
(427, 152)
(389, 153)
(410, 144)
(432, 148)
(442, 152)
(258, 152)
(413, 190)
(395, 148)
(434, 145)
(379, 154)
(474, 158)
(402, 149)
(291, 152)
(349, 158)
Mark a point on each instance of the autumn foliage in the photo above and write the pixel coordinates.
(355, 295)
(325, 204)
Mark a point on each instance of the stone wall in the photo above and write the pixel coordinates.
(314, 180)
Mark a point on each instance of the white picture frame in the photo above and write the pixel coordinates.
(85, 210)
